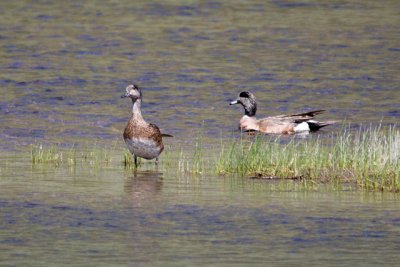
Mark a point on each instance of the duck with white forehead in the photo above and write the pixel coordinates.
(281, 124)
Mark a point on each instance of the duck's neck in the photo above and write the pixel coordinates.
(136, 109)
(250, 110)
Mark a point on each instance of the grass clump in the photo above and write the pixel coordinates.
(71, 157)
(369, 158)
(39, 154)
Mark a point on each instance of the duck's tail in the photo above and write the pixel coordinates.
(316, 125)
(166, 135)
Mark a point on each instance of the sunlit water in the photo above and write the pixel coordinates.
(64, 66)
(116, 217)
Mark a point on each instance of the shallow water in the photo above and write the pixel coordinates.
(56, 216)
(64, 66)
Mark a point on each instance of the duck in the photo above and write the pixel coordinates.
(282, 124)
(143, 139)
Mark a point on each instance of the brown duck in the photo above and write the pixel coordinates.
(281, 124)
(143, 139)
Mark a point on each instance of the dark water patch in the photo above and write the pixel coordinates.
(44, 17)
(12, 241)
(183, 30)
(292, 4)
(259, 8)
(62, 52)
(15, 65)
(332, 47)
(199, 37)
(324, 91)
(87, 37)
(78, 82)
(394, 49)
(188, 11)
(135, 39)
(283, 109)
(157, 9)
(354, 78)
(58, 98)
(213, 5)
(323, 220)
(215, 79)
(107, 44)
(289, 86)
(102, 120)
(175, 37)
(393, 113)
(195, 70)
(7, 81)
(55, 36)
(86, 134)
(65, 216)
(24, 133)
(15, 49)
(147, 77)
(188, 78)
(129, 54)
(283, 41)
(260, 77)
(88, 53)
(369, 234)
(41, 67)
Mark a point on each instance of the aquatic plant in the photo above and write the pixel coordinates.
(39, 154)
(72, 156)
(369, 157)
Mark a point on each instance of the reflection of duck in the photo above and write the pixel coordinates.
(282, 124)
(143, 187)
(143, 139)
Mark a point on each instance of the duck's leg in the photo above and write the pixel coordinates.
(156, 161)
(135, 160)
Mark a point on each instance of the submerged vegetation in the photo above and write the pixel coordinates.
(368, 158)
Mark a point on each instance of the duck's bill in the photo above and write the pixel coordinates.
(233, 102)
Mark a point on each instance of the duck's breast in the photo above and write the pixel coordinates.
(144, 148)
(248, 123)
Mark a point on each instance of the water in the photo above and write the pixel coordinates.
(58, 217)
(64, 66)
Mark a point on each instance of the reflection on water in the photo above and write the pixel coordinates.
(65, 64)
(144, 187)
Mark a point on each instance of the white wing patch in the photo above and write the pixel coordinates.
(302, 127)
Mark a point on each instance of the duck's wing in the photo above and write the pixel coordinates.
(276, 125)
(300, 117)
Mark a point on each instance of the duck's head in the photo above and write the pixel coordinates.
(133, 91)
(248, 101)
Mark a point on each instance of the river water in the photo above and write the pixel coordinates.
(64, 66)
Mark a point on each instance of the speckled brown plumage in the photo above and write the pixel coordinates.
(142, 129)
(143, 139)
